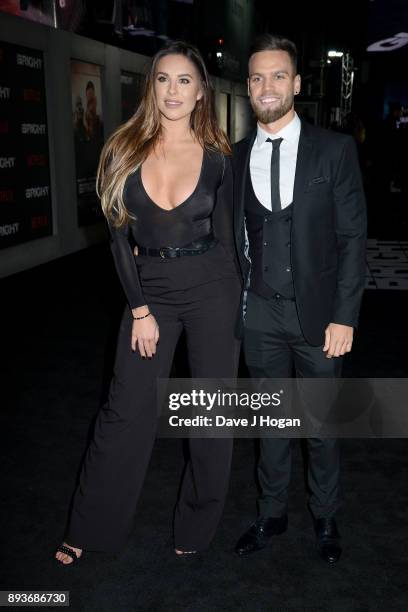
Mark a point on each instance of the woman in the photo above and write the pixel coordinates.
(165, 183)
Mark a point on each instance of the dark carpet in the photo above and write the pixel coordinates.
(59, 331)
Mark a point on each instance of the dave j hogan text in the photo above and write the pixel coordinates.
(257, 420)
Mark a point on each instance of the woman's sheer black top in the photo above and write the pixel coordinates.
(208, 208)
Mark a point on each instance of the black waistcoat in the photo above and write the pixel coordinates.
(269, 246)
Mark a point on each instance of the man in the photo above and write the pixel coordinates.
(299, 194)
(93, 125)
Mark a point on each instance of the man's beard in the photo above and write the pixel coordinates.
(270, 115)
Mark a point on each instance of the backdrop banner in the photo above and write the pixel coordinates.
(25, 194)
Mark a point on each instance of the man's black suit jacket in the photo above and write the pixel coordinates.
(329, 225)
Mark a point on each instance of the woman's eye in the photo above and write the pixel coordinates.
(161, 79)
(184, 81)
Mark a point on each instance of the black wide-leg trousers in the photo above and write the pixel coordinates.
(114, 468)
(273, 344)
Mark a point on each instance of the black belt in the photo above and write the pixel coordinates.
(199, 246)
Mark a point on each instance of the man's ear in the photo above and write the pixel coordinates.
(298, 84)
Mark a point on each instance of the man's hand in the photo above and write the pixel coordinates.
(338, 340)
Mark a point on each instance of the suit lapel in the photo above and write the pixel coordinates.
(303, 161)
(241, 173)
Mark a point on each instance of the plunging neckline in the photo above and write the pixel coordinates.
(169, 210)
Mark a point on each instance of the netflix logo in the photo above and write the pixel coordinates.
(39, 222)
(36, 159)
(6, 195)
(31, 95)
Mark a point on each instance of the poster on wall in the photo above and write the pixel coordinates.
(87, 123)
(223, 112)
(25, 193)
(243, 117)
(131, 85)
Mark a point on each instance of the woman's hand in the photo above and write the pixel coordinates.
(145, 332)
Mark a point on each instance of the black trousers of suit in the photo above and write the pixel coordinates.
(104, 503)
(273, 344)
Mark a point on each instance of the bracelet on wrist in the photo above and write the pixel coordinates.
(143, 317)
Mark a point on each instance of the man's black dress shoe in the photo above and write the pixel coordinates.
(259, 534)
(327, 539)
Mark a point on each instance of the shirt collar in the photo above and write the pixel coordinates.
(290, 132)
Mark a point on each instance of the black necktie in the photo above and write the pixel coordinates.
(275, 194)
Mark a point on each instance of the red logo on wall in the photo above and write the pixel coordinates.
(38, 222)
(36, 159)
(31, 95)
(6, 195)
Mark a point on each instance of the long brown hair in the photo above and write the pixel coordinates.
(129, 145)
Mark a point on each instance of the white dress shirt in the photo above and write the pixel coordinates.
(260, 163)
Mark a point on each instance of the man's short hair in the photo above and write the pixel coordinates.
(274, 42)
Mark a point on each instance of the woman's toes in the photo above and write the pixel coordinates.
(67, 559)
(61, 557)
